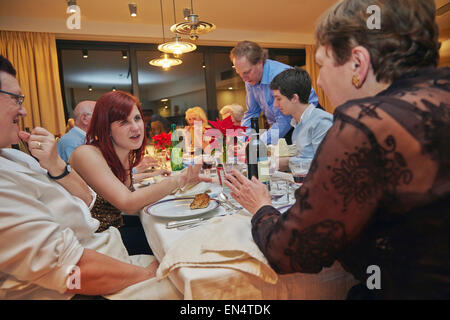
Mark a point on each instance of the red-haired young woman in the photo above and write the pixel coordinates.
(115, 143)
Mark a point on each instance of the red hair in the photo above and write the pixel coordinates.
(113, 106)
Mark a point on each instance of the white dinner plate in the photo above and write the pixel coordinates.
(178, 208)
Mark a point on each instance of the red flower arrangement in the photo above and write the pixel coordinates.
(227, 124)
(162, 140)
(228, 129)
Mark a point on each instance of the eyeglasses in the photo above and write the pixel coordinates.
(19, 98)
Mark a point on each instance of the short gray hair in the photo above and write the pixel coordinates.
(236, 109)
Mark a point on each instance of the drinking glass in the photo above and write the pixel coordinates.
(299, 169)
(208, 164)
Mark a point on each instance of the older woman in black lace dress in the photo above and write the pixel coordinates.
(378, 191)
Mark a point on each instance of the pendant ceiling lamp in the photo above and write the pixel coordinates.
(192, 27)
(165, 61)
(177, 47)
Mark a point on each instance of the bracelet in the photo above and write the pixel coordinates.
(67, 170)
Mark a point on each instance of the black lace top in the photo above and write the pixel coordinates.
(107, 214)
(378, 193)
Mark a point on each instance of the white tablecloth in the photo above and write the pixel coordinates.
(224, 283)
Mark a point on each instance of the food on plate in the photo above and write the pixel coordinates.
(200, 201)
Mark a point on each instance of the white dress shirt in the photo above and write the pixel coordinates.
(43, 231)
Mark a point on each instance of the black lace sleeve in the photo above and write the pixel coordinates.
(350, 174)
(377, 193)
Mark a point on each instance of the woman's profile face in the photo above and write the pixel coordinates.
(335, 80)
(193, 117)
(129, 133)
(155, 128)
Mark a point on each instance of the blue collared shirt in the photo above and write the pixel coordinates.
(260, 98)
(74, 138)
(309, 132)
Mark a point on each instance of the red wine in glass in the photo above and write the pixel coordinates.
(207, 165)
(299, 178)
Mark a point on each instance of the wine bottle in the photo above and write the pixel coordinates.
(256, 155)
(176, 151)
(251, 150)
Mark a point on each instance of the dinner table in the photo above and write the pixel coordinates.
(215, 257)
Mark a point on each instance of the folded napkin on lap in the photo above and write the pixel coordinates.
(224, 242)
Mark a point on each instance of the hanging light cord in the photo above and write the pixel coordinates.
(174, 14)
(192, 7)
(162, 21)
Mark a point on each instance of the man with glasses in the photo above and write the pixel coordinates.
(257, 71)
(76, 136)
(19, 98)
(49, 248)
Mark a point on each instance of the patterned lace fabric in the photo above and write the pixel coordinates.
(378, 193)
(106, 213)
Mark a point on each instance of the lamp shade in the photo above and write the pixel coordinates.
(177, 46)
(165, 62)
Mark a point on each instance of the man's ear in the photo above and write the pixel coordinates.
(295, 98)
(360, 58)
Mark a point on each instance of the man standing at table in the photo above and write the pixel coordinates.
(257, 71)
(76, 136)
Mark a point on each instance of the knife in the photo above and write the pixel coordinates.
(176, 224)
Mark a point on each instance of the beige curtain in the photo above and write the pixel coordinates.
(35, 59)
(313, 69)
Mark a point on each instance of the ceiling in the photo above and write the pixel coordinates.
(254, 16)
(282, 24)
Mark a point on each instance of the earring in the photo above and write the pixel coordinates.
(356, 81)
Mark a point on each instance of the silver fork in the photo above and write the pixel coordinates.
(225, 198)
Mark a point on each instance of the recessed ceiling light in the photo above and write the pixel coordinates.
(133, 9)
(72, 4)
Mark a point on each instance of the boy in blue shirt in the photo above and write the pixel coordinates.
(291, 90)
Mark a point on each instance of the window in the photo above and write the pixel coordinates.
(206, 78)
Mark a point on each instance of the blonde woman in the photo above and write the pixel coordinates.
(236, 111)
(192, 115)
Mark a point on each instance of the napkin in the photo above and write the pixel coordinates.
(193, 189)
(285, 176)
(284, 150)
(151, 289)
(224, 242)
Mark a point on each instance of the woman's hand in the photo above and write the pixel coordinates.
(161, 172)
(138, 177)
(192, 175)
(146, 162)
(42, 146)
(251, 194)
